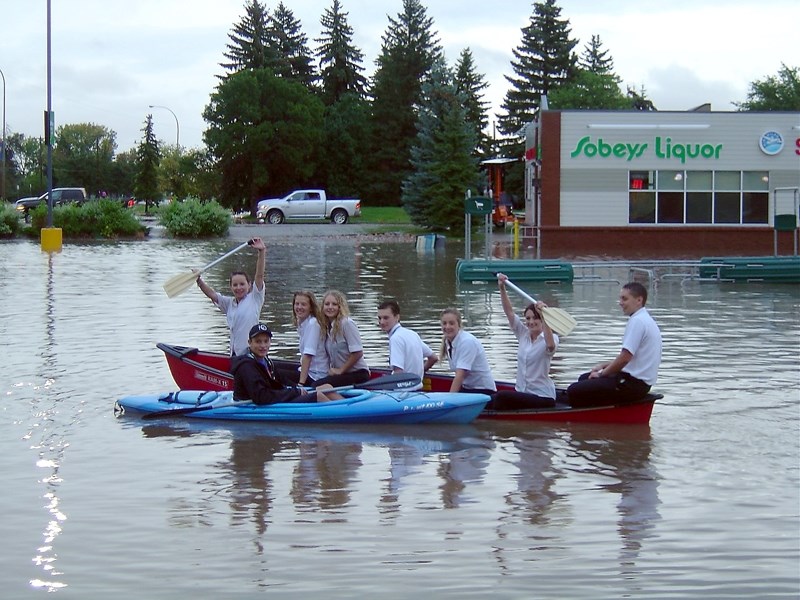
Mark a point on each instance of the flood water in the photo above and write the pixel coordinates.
(703, 502)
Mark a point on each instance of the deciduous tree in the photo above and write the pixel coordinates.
(775, 92)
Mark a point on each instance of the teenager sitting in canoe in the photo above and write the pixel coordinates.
(255, 378)
(407, 352)
(243, 308)
(466, 356)
(631, 374)
(536, 346)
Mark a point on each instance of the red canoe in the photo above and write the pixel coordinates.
(194, 369)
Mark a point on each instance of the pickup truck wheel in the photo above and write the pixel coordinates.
(275, 217)
(339, 216)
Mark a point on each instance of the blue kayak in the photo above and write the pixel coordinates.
(357, 406)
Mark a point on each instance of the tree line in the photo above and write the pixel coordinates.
(287, 114)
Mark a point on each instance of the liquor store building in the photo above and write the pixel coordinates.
(663, 184)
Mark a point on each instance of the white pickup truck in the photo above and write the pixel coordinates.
(307, 204)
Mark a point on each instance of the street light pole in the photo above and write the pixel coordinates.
(3, 149)
(177, 125)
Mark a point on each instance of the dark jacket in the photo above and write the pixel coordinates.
(261, 384)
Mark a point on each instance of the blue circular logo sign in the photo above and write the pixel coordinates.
(770, 142)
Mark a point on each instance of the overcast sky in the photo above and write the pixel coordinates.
(111, 59)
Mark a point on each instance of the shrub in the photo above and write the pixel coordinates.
(10, 224)
(194, 219)
(96, 218)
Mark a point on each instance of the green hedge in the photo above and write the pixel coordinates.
(93, 219)
(195, 219)
(10, 225)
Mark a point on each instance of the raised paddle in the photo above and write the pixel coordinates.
(399, 381)
(182, 282)
(556, 319)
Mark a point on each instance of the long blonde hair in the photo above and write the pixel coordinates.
(335, 326)
(312, 304)
(446, 311)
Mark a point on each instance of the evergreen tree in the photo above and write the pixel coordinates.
(594, 59)
(344, 146)
(408, 50)
(290, 44)
(472, 85)
(148, 156)
(339, 60)
(444, 167)
(543, 60)
(248, 47)
(639, 100)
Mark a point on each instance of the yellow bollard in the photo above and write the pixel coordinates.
(51, 239)
(516, 238)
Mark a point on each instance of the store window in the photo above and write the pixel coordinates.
(698, 197)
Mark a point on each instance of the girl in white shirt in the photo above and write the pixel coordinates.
(342, 342)
(537, 345)
(466, 356)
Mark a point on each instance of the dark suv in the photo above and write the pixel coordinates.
(60, 196)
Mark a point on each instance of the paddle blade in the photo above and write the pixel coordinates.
(558, 320)
(399, 381)
(179, 283)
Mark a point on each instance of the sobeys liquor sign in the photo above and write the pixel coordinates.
(662, 148)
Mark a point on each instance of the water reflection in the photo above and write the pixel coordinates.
(618, 458)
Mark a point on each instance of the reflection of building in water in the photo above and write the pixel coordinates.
(623, 454)
(324, 473)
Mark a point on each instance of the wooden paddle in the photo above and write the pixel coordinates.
(180, 283)
(400, 381)
(556, 319)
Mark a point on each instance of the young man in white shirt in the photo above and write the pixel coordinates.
(634, 371)
(407, 352)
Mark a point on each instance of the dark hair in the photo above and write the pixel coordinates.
(391, 305)
(637, 289)
(246, 276)
(532, 306)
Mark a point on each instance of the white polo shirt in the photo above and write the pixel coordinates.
(533, 362)
(342, 346)
(642, 339)
(241, 316)
(313, 344)
(407, 351)
(467, 353)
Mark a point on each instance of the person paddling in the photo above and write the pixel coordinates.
(243, 308)
(255, 377)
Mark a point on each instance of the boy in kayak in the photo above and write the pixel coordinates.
(255, 377)
(631, 374)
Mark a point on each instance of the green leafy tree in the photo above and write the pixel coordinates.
(148, 157)
(30, 162)
(290, 45)
(340, 61)
(249, 46)
(408, 51)
(122, 181)
(590, 90)
(83, 155)
(543, 61)
(444, 166)
(345, 138)
(473, 85)
(776, 92)
(263, 132)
